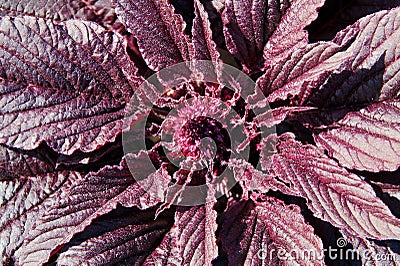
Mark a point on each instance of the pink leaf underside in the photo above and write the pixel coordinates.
(100, 11)
(368, 139)
(363, 57)
(272, 28)
(154, 22)
(23, 200)
(191, 241)
(97, 194)
(254, 232)
(372, 254)
(65, 84)
(334, 195)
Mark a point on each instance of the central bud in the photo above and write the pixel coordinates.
(199, 138)
(205, 140)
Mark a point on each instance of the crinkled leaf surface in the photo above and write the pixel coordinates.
(63, 84)
(125, 236)
(336, 15)
(29, 185)
(304, 69)
(52, 9)
(191, 241)
(254, 27)
(153, 23)
(254, 232)
(100, 11)
(131, 236)
(371, 71)
(368, 139)
(204, 48)
(275, 116)
(185, 8)
(252, 179)
(14, 162)
(97, 194)
(364, 57)
(247, 27)
(290, 33)
(333, 194)
(23, 200)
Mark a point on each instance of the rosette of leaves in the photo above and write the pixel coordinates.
(69, 68)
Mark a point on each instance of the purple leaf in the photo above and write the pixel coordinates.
(51, 9)
(29, 185)
(360, 46)
(73, 190)
(349, 90)
(255, 180)
(191, 241)
(304, 69)
(186, 9)
(204, 48)
(23, 200)
(375, 36)
(274, 28)
(125, 236)
(368, 139)
(153, 22)
(100, 11)
(275, 116)
(334, 194)
(202, 45)
(260, 233)
(371, 74)
(15, 162)
(134, 237)
(290, 34)
(214, 9)
(72, 73)
(336, 15)
(97, 194)
(371, 71)
(247, 27)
